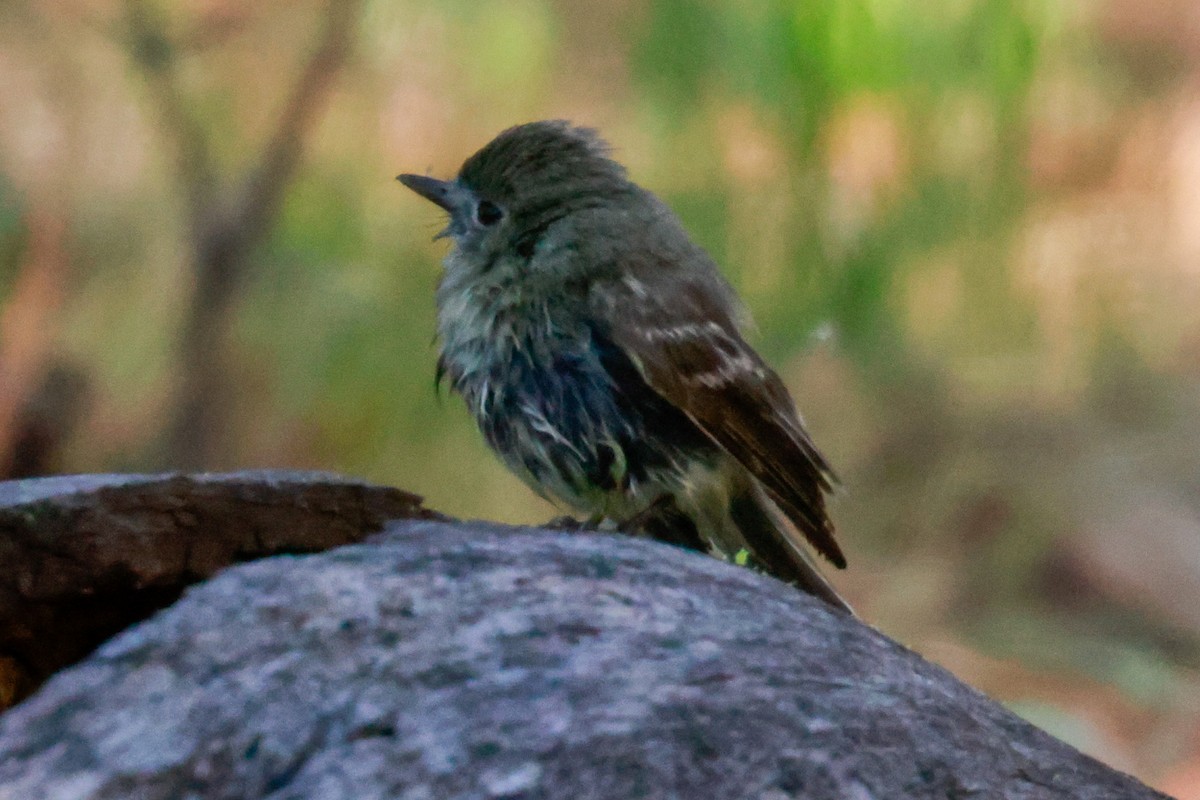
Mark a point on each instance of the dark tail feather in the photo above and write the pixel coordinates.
(776, 550)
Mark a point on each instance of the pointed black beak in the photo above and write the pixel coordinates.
(431, 189)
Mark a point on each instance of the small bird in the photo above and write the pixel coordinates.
(601, 353)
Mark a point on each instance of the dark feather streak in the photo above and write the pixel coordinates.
(748, 413)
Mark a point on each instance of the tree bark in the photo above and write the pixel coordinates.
(86, 556)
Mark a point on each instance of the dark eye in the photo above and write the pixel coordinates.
(488, 213)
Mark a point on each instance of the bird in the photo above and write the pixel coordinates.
(604, 359)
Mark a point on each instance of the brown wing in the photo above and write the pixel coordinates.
(684, 340)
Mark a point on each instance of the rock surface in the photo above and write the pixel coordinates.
(449, 660)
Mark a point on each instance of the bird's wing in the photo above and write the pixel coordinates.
(682, 335)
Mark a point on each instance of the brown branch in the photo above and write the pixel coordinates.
(226, 227)
(227, 233)
(28, 320)
(264, 187)
(152, 51)
(29, 317)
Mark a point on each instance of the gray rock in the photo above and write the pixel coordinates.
(441, 660)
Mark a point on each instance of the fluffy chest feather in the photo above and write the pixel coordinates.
(560, 404)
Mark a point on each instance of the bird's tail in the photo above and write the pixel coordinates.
(775, 547)
(730, 514)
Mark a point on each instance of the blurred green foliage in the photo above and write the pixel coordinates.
(12, 235)
(797, 63)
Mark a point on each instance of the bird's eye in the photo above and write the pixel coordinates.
(488, 213)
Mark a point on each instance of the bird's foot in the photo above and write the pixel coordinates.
(569, 523)
(637, 524)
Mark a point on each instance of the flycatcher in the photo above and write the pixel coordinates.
(601, 353)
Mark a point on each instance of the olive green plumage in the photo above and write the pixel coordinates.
(601, 353)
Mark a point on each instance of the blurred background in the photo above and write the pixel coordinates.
(969, 231)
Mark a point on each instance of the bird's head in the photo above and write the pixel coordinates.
(510, 193)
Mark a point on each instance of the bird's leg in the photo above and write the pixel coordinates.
(569, 523)
(637, 523)
(664, 521)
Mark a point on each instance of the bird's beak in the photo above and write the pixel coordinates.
(431, 189)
